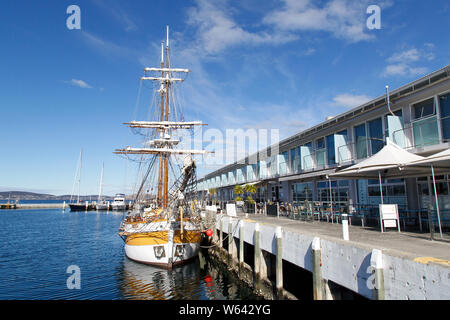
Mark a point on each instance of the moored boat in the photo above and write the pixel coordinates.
(119, 203)
(78, 205)
(163, 229)
(101, 204)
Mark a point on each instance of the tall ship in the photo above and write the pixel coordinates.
(162, 227)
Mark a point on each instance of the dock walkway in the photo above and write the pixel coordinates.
(403, 244)
(375, 265)
(40, 206)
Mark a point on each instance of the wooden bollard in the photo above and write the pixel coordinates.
(214, 233)
(241, 241)
(279, 261)
(257, 257)
(221, 234)
(230, 239)
(317, 269)
(376, 264)
(344, 221)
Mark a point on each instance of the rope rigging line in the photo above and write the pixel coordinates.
(145, 177)
(138, 98)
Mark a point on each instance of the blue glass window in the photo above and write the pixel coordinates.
(425, 125)
(330, 150)
(376, 135)
(444, 103)
(360, 141)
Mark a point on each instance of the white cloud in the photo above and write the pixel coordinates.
(217, 30)
(108, 48)
(402, 63)
(119, 14)
(349, 100)
(342, 18)
(405, 56)
(309, 51)
(79, 83)
(403, 69)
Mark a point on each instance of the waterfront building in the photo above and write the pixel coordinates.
(419, 121)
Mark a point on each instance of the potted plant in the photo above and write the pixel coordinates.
(251, 190)
(213, 192)
(238, 190)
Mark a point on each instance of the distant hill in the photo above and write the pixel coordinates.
(23, 195)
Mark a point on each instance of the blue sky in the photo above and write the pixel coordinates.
(280, 64)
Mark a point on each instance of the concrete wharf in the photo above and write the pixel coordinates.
(371, 264)
(39, 205)
(25, 206)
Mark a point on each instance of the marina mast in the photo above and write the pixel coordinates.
(162, 147)
(166, 169)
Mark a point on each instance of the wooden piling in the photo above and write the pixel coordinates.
(376, 262)
(230, 239)
(279, 260)
(317, 269)
(214, 233)
(257, 257)
(221, 234)
(241, 241)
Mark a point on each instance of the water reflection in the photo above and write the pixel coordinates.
(143, 282)
(201, 279)
(38, 246)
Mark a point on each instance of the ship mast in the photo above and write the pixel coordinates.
(161, 92)
(101, 184)
(162, 147)
(79, 176)
(166, 169)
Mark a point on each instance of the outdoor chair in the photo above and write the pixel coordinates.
(356, 212)
(327, 213)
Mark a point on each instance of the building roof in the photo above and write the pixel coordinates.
(406, 90)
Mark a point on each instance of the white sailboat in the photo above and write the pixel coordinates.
(163, 229)
(101, 204)
(77, 206)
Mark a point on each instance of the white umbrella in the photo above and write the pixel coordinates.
(389, 162)
(439, 161)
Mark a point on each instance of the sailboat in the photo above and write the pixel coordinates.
(163, 228)
(101, 204)
(77, 206)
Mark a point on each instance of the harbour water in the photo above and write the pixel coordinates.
(38, 247)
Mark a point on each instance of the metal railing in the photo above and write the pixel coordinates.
(420, 133)
(362, 149)
(417, 134)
